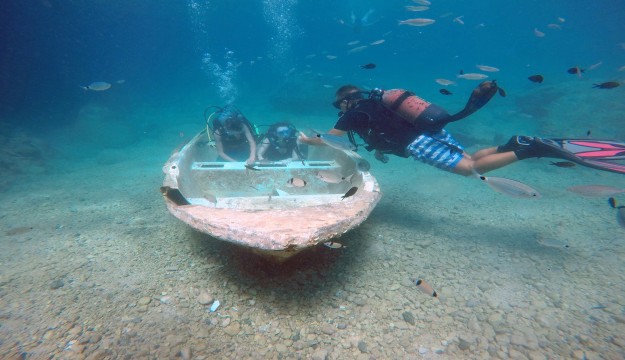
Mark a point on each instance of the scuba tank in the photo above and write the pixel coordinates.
(417, 111)
(430, 117)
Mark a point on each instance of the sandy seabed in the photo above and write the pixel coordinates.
(93, 266)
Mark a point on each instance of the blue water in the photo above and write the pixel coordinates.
(82, 169)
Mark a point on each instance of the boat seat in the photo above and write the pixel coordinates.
(293, 165)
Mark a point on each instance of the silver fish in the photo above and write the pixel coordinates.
(334, 245)
(97, 86)
(332, 177)
(620, 216)
(296, 182)
(510, 187)
(417, 22)
(472, 76)
(337, 142)
(595, 190)
(553, 243)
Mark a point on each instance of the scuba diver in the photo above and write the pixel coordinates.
(400, 123)
(234, 135)
(280, 143)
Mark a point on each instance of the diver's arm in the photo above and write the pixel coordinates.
(262, 149)
(252, 142)
(317, 140)
(220, 148)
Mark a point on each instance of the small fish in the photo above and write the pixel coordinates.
(510, 187)
(575, 70)
(444, 82)
(471, 76)
(444, 92)
(416, 8)
(595, 190)
(330, 57)
(97, 86)
(459, 20)
(622, 68)
(607, 85)
(426, 288)
(350, 192)
(368, 66)
(620, 212)
(296, 182)
(588, 133)
(487, 68)
(536, 78)
(357, 49)
(538, 33)
(336, 142)
(334, 245)
(332, 177)
(554, 26)
(211, 198)
(352, 43)
(251, 167)
(561, 19)
(121, 81)
(422, 2)
(378, 42)
(564, 164)
(417, 22)
(595, 65)
(174, 195)
(552, 243)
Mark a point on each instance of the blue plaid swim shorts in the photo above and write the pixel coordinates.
(437, 149)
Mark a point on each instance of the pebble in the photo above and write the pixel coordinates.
(321, 354)
(408, 317)
(185, 353)
(423, 350)
(362, 346)
(233, 329)
(327, 329)
(205, 298)
(341, 326)
(56, 284)
(167, 300)
(144, 301)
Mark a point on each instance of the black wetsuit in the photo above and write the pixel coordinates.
(379, 127)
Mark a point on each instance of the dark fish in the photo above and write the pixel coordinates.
(251, 167)
(174, 195)
(612, 202)
(502, 92)
(368, 66)
(620, 212)
(588, 133)
(562, 163)
(607, 85)
(536, 78)
(575, 70)
(350, 192)
(444, 92)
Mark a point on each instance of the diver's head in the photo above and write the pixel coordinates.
(347, 96)
(283, 133)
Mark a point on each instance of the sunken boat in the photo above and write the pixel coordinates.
(276, 209)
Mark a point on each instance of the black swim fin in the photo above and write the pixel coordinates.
(480, 96)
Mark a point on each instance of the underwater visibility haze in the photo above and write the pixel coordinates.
(97, 94)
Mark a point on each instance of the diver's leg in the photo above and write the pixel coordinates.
(485, 163)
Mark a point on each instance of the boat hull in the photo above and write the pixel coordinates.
(258, 209)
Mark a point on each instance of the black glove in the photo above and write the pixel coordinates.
(380, 156)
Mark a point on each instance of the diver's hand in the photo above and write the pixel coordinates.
(380, 156)
(309, 140)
